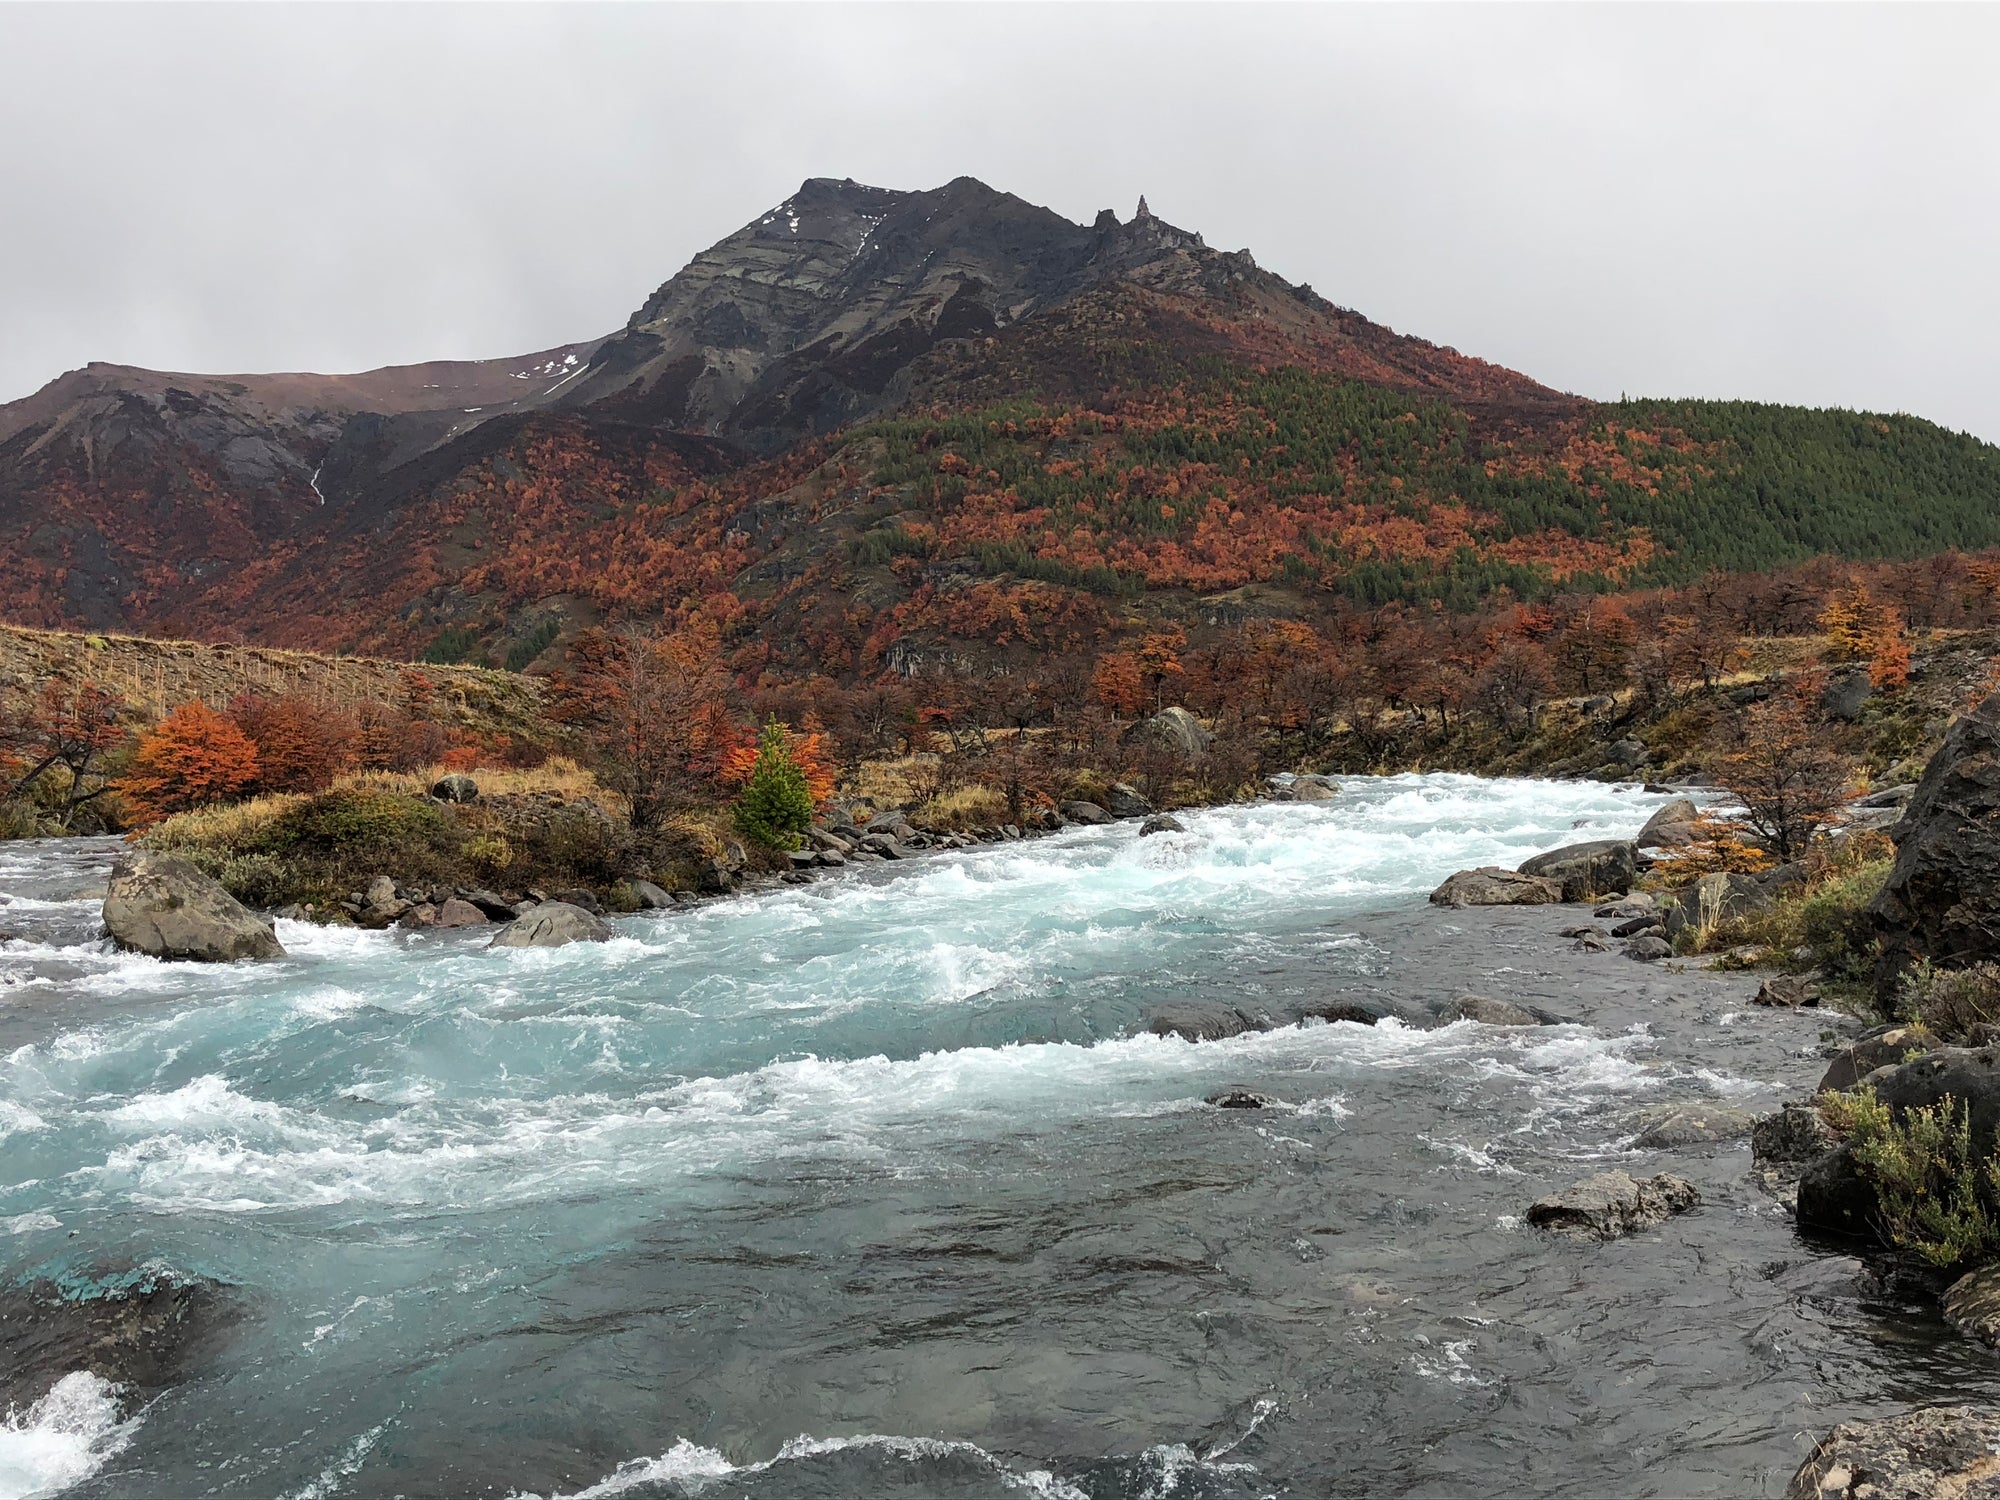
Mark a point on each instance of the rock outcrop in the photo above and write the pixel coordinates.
(1713, 899)
(1670, 826)
(552, 925)
(1939, 1453)
(160, 904)
(1612, 1204)
(1941, 901)
(1492, 886)
(1602, 867)
(1177, 730)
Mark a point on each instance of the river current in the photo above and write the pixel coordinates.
(876, 1187)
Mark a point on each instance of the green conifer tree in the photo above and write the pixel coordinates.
(776, 807)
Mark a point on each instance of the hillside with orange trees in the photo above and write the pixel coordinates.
(1077, 436)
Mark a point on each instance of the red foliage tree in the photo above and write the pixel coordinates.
(301, 745)
(69, 732)
(194, 757)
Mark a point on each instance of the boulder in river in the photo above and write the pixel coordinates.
(1942, 899)
(1239, 1099)
(145, 1333)
(1937, 1453)
(1971, 1075)
(1353, 1008)
(1972, 1305)
(1308, 789)
(1601, 867)
(160, 904)
(551, 925)
(1162, 823)
(1786, 992)
(1613, 1204)
(1834, 1199)
(457, 913)
(1782, 1143)
(1675, 1125)
(1649, 947)
(650, 897)
(1488, 1011)
(1492, 886)
(1670, 826)
(1204, 1020)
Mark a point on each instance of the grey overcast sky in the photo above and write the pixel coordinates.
(1788, 203)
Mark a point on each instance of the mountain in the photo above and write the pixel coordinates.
(873, 425)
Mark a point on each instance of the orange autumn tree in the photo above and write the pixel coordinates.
(194, 757)
(808, 748)
(1119, 684)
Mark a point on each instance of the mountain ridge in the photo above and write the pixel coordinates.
(926, 414)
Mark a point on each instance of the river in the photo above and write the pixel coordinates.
(875, 1187)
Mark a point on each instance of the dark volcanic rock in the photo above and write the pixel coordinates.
(1612, 1204)
(1492, 886)
(1942, 899)
(1204, 1021)
(145, 1333)
(1162, 823)
(1833, 1198)
(1602, 867)
(1882, 1048)
(1797, 1134)
(160, 904)
(1939, 1453)
(1240, 1099)
(1125, 802)
(1971, 1075)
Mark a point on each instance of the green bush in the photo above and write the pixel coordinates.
(1936, 1198)
(1950, 1001)
(255, 879)
(776, 807)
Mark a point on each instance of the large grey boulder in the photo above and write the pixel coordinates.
(1846, 694)
(1612, 1204)
(160, 904)
(1085, 812)
(1601, 867)
(456, 787)
(1124, 801)
(1674, 1126)
(1938, 1453)
(1177, 730)
(551, 925)
(1490, 1011)
(1942, 899)
(1670, 826)
(1492, 886)
(1305, 789)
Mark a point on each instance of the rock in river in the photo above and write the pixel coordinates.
(1672, 825)
(1883, 1047)
(1492, 886)
(551, 925)
(1240, 1099)
(1612, 1204)
(1938, 1453)
(144, 1332)
(1204, 1021)
(162, 905)
(1489, 1011)
(1602, 867)
(1162, 823)
(1677, 1125)
(1972, 1305)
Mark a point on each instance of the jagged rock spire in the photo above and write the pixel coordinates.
(1142, 212)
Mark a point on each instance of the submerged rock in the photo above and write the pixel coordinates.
(1240, 1099)
(1939, 1453)
(551, 925)
(1488, 1011)
(1612, 1204)
(160, 904)
(145, 1335)
(1492, 886)
(1204, 1021)
(1678, 1125)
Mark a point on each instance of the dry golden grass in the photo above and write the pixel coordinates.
(558, 775)
(963, 809)
(891, 782)
(222, 827)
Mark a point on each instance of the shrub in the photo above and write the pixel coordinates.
(255, 879)
(1935, 1197)
(776, 807)
(489, 854)
(1951, 1001)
